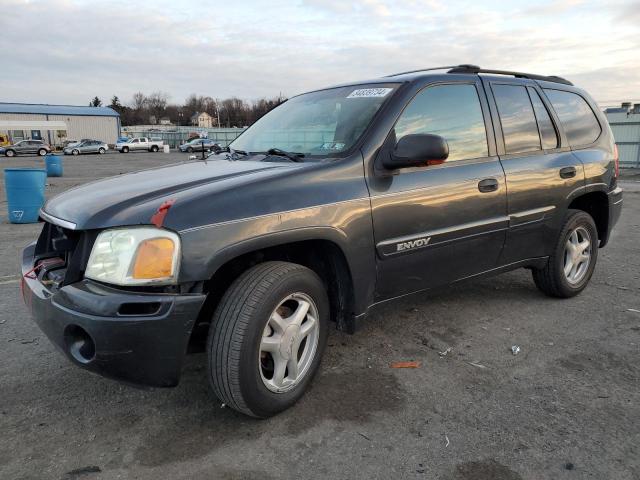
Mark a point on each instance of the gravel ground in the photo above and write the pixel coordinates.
(566, 407)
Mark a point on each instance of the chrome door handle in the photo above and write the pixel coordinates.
(488, 185)
(568, 172)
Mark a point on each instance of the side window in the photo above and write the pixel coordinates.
(548, 133)
(451, 111)
(135, 140)
(577, 118)
(518, 121)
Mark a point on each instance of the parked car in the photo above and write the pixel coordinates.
(26, 147)
(86, 146)
(139, 143)
(199, 145)
(377, 190)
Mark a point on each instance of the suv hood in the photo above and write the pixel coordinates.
(133, 198)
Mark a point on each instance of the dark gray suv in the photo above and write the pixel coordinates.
(335, 202)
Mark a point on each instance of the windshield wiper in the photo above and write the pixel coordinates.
(231, 151)
(293, 156)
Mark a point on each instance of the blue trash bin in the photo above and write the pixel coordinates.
(53, 164)
(25, 193)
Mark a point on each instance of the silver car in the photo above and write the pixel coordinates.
(86, 146)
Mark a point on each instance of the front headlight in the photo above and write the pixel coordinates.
(135, 256)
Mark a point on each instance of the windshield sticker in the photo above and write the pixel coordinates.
(369, 92)
(332, 146)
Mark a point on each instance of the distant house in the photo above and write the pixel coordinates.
(165, 121)
(202, 120)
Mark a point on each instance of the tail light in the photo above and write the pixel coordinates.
(616, 159)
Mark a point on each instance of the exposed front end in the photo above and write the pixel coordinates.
(134, 334)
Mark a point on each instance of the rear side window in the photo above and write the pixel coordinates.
(548, 133)
(517, 118)
(577, 118)
(451, 111)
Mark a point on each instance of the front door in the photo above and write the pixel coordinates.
(542, 173)
(439, 223)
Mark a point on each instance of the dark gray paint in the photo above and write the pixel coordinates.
(225, 208)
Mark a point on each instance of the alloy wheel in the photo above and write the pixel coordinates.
(289, 343)
(577, 255)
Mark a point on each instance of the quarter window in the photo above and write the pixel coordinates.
(548, 133)
(518, 121)
(577, 118)
(451, 111)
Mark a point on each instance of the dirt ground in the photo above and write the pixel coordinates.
(566, 407)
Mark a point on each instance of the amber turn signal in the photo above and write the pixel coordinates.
(154, 259)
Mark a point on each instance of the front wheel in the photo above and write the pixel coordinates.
(154, 148)
(573, 261)
(101, 150)
(10, 153)
(75, 152)
(125, 149)
(267, 337)
(42, 152)
(190, 150)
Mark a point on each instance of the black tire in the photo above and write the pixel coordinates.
(551, 279)
(75, 152)
(42, 152)
(101, 151)
(10, 153)
(154, 149)
(236, 332)
(190, 150)
(125, 149)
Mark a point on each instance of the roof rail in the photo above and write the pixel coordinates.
(432, 68)
(475, 70)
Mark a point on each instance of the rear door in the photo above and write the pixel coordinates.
(542, 173)
(440, 223)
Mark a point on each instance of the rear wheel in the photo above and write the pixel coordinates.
(267, 337)
(10, 153)
(101, 150)
(573, 261)
(75, 152)
(42, 152)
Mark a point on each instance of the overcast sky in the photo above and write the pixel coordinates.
(65, 51)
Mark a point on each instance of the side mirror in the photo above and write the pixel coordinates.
(417, 150)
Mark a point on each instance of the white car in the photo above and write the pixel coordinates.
(139, 143)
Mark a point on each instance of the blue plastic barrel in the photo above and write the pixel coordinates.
(25, 193)
(54, 165)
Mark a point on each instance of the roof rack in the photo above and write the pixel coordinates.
(475, 70)
(432, 68)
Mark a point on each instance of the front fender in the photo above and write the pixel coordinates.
(347, 224)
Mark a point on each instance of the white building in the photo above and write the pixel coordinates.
(625, 125)
(56, 123)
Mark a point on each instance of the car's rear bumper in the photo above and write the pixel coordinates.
(615, 209)
(134, 337)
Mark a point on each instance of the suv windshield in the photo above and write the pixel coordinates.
(316, 124)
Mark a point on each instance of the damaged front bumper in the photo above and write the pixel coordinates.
(138, 338)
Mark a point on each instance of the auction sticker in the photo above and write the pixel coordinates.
(369, 92)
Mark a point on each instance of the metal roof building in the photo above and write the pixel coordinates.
(625, 124)
(56, 123)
